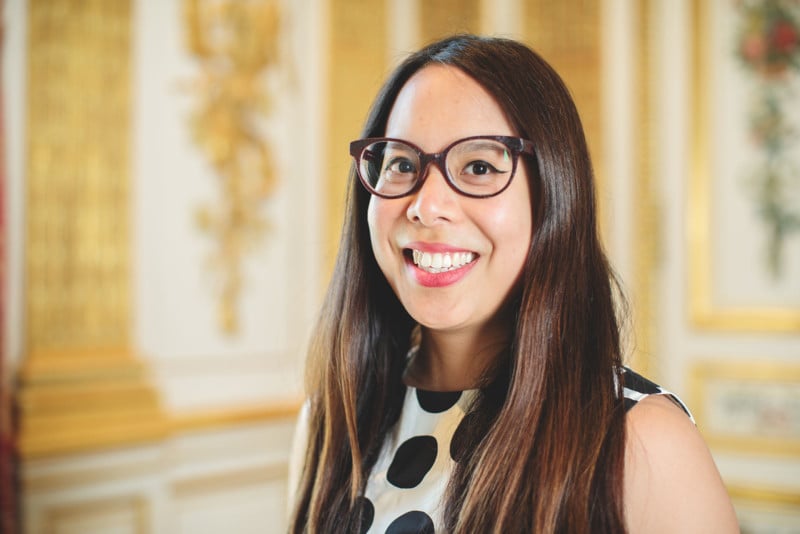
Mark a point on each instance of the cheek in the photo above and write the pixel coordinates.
(511, 221)
(379, 223)
(511, 229)
(374, 227)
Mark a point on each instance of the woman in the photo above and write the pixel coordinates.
(466, 373)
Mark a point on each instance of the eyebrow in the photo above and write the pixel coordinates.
(398, 145)
(485, 143)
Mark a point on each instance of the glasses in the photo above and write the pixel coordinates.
(477, 167)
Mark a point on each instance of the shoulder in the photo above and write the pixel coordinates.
(671, 483)
(636, 388)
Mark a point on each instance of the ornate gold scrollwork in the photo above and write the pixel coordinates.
(235, 43)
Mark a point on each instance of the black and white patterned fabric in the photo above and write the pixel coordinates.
(405, 489)
(636, 387)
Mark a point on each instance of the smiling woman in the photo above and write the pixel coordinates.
(466, 373)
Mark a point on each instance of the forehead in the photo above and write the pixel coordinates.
(440, 104)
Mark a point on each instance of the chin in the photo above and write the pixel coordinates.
(439, 322)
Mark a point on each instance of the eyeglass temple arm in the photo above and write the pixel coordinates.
(527, 147)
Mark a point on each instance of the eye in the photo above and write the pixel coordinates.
(400, 165)
(479, 168)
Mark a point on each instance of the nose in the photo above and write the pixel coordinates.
(435, 201)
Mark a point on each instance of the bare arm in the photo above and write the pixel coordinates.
(671, 481)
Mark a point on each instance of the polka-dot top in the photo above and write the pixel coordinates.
(405, 488)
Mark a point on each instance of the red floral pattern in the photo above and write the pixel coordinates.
(768, 45)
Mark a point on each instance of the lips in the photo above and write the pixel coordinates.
(439, 265)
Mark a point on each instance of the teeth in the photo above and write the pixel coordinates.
(438, 262)
(425, 261)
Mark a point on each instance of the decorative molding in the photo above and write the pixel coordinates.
(647, 231)
(766, 510)
(216, 482)
(704, 313)
(205, 420)
(121, 418)
(775, 496)
(85, 476)
(765, 392)
(235, 43)
(57, 518)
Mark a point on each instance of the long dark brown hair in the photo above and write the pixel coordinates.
(546, 453)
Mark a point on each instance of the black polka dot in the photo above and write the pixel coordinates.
(367, 513)
(637, 382)
(436, 401)
(412, 461)
(458, 443)
(415, 522)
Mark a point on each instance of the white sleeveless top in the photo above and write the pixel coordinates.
(405, 488)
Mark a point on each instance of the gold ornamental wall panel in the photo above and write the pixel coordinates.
(80, 387)
(78, 290)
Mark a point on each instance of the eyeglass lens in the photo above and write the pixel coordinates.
(477, 167)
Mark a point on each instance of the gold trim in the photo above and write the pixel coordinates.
(647, 227)
(59, 481)
(175, 426)
(110, 418)
(45, 436)
(56, 515)
(704, 314)
(206, 420)
(771, 496)
(55, 365)
(720, 370)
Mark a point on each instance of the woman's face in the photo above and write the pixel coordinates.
(483, 240)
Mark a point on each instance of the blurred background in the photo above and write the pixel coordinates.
(172, 182)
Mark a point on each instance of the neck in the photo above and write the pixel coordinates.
(455, 361)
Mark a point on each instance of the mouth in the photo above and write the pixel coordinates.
(440, 262)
